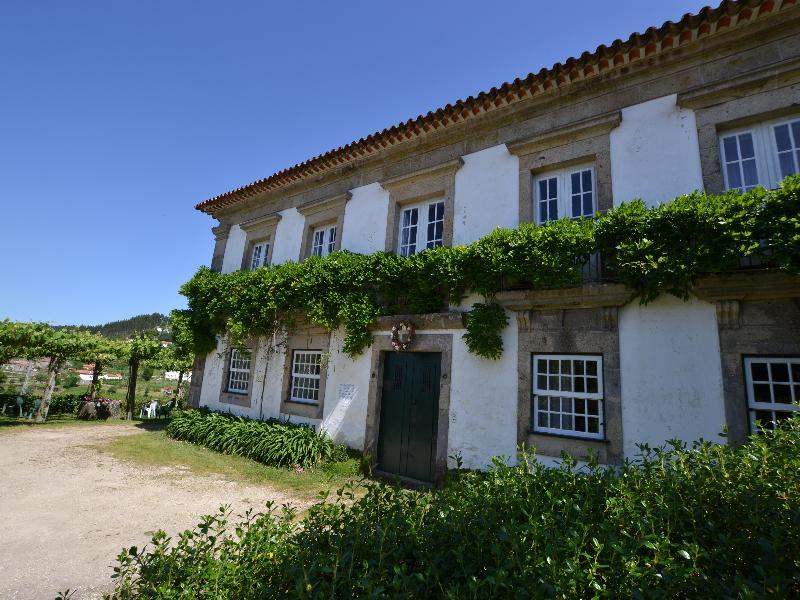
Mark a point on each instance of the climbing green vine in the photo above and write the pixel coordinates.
(651, 250)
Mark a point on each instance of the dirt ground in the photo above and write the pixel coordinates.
(68, 509)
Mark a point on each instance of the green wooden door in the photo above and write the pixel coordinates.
(409, 408)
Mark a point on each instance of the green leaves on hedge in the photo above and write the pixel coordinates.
(711, 521)
(651, 250)
(271, 443)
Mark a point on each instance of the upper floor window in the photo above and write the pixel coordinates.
(421, 227)
(760, 155)
(773, 388)
(239, 371)
(564, 193)
(567, 395)
(258, 255)
(323, 241)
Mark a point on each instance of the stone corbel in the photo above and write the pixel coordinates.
(221, 231)
(728, 313)
(524, 320)
(609, 318)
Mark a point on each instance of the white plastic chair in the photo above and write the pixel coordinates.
(149, 410)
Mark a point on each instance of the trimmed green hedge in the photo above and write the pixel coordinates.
(274, 443)
(710, 521)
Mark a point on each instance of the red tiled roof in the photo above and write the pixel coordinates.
(708, 21)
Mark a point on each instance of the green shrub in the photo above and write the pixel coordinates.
(65, 404)
(274, 443)
(710, 521)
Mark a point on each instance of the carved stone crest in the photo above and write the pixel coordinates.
(402, 335)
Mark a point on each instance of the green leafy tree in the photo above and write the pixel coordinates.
(143, 346)
(177, 358)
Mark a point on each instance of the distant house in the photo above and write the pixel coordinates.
(173, 376)
(87, 374)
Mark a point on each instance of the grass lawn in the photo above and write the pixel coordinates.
(154, 448)
(53, 421)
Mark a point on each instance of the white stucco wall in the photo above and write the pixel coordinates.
(486, 194)
(346, 394)
(655, 155)
(234, 250)
(670, 372)
(365, 216)
(483, 400)
(212, 379)
(288, 236)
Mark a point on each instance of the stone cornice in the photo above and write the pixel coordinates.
(335, 203)
(432, 321)
(783, 73)
(266, 221)
(753, 285)
(584, 296)
(448, 168)
(573, 132)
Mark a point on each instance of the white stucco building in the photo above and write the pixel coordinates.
(711, 102)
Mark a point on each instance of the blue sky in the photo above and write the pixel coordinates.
(117, 117)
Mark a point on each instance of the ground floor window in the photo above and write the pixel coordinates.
(306, 368)
(773, 388)
(567, 395)
(239, 371)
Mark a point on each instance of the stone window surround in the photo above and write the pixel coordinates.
(423, 342)
(737, 297)
(437, 182)
(311, 338)
(260, 229)
(581, 321)
(562, 147)
(319, 213)
(226, 397)
(737, 103)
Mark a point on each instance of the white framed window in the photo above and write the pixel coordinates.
(239, 371)
(258, 255)
(567, 395)
(773, 388)
(421, 227)
(565, 193)
(761, 154)
(306, 368)
(323, 241)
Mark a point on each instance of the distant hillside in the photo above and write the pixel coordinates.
(126, 327)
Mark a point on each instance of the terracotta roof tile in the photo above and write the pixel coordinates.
(691, 27)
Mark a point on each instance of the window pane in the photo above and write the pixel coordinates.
(553, 210)
(761, 393)
(750, 173)
(588, 205)
(759, 371)
(746, 145)
(587, 180)
(541, 366)
(591, 367)
(782, 138)
(780, 371)
(796, 372)
(783, 393)
(576, 206)
(786, 163)
(731, 150)
(576, 182)
(734, 177)
(552, 184)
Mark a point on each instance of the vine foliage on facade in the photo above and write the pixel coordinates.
(650, 250)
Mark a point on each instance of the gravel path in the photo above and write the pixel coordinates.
(66, 509)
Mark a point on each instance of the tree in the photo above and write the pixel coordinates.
(39, 340)
(101, 353)
(174, 358)
(143, 346)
